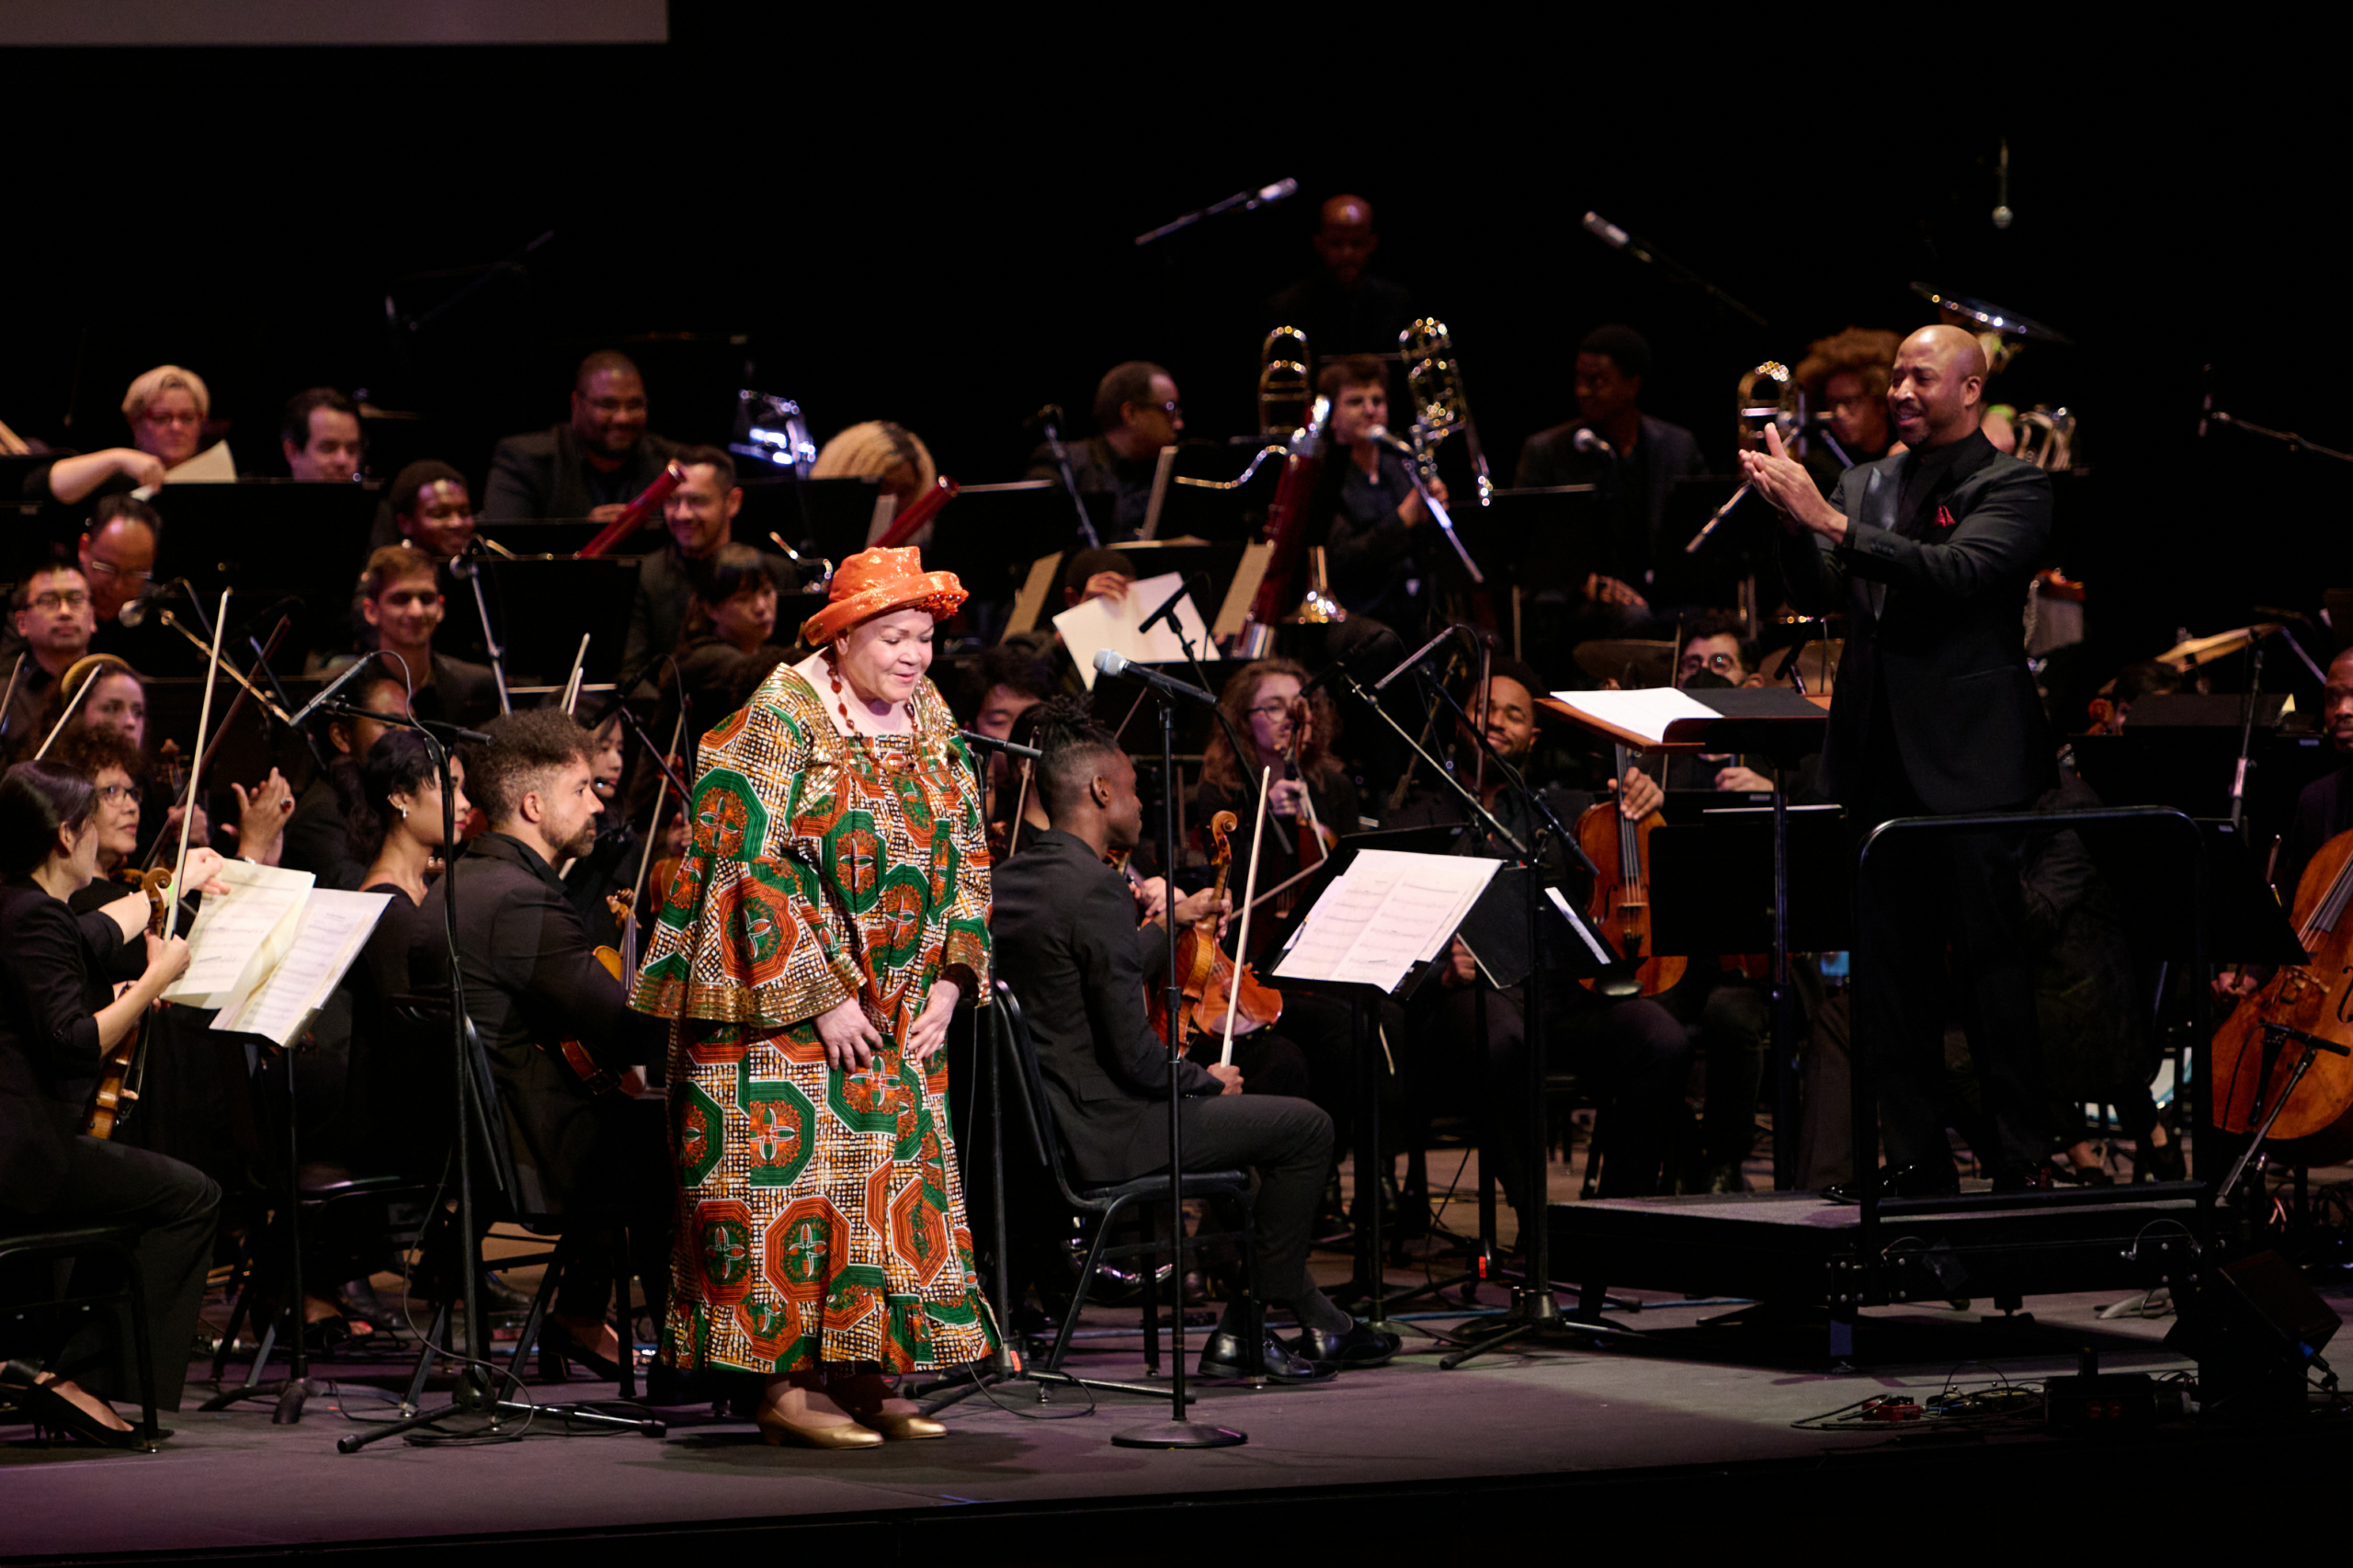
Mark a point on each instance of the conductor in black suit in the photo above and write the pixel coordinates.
(1064, 925)
(1927, 553)
(545, 1009)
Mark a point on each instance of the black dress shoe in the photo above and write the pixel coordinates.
(1223, 1356)
(1901, 1181)
(1362, 1345)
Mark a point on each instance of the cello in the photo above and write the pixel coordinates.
(1619, 848)
(2315, 997)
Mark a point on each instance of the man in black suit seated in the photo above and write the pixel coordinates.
(549, 1013)
(1137, 412)
(592, 466)
(1064, 925)
(1928, 553)
(1635, 460)
(1632, 1053)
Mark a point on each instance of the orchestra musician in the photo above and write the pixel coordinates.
(1343, 306)
(117, 555)
(59, 1014)
(1137, 412)
(1928, 553)
(1633, 1054)
(699, 515)
(1064, 924)
(427, 506)
(591, 466)
(402, 602)
(881, 450)
(831, 912)
(532, 986)
(2325, 806)
(319, 435)
(728, 635)
(1845, 376)
(51, 614)
(1371, 500)
(165, 408)
(318, 834)
(1634, 458)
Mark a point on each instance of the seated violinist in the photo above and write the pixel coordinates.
(1064, 925)
(1311, 802)
(59, 1016)
(403, 604)
(1633, 1052)
(553, 1021)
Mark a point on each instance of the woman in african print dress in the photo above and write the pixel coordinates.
(829, 912)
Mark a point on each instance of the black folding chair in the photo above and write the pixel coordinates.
(36, 1252)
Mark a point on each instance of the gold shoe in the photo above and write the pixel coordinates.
(901, 1428)
(776, 1431)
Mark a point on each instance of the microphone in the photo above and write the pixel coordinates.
(1052, 414)
(1168, 611)
(1281, 191)
(328, 690)
(990, 742)
(1586, 441)
(1418, 654)
(1381, 432)
(1111, 662)
(1616, 238)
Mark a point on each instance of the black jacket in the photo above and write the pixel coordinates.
(1934, 628)
(531, 982)
(1066, 930)
(52, 989)
(1635, 488)
(543, 475)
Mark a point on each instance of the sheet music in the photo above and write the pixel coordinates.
(212, 466)
(1111, 623)
(238, 935)
(1389, 911)
(332, 927)
(1646, 713)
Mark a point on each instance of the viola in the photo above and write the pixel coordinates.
(2315, 997)
(121, 1069)
(1206, 976)
(1620, 905)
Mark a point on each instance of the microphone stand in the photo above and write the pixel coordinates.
(1177, 1432)
(476, 1393)
(471, 570)
(1070, 480)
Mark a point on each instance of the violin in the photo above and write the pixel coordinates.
(2315, 997)
(595, 1079)
(1620, 905)
(1206, 976)
(124, 1065)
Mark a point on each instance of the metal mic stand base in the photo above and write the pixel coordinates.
(1533, 1315)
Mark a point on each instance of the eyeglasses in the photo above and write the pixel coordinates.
(1271, 710)
(121, 574)
(1721, 663)
(110, 793)
(69, 598)
(154, 417)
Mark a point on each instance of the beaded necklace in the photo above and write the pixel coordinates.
(833, 675)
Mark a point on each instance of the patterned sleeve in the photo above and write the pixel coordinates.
(967, 945)
(746, 936)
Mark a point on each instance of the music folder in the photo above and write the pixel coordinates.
(1770, 721)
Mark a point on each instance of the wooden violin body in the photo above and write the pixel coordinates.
(599, 1080)
(1207, 976)
(119, 1072)
(2315, 997)
(1622, 898)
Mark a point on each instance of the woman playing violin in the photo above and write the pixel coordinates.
(1312, 802)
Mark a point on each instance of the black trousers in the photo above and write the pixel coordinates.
(175, 1208)
(1727, 1017)
(1943, 914)
(1287, 1142)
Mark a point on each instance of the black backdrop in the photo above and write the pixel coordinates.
(898, 222)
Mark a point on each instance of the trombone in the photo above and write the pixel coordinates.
(1285, 388)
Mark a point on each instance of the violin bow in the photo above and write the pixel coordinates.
(572, 684)
(196, 774)
(236, 707)
(1242, 938)
(653, 827)
(65, 718)
(8, 696)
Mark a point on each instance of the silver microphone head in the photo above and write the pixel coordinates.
(1110, 661)
(1586, 441)
(1608, 233)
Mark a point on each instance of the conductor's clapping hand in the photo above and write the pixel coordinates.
(1783, 481)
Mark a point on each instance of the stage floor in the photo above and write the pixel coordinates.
(1684, 1396)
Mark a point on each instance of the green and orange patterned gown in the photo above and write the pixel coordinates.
(821, 1217)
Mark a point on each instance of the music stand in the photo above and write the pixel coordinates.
(990, 533)
(1773, 723)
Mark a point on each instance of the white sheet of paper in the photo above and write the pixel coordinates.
(1389, 911)
(212, 466)
(334, 926)
(1647, 712)
(1102, 623)
(239, 934)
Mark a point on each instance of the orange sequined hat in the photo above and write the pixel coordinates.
(874, 582)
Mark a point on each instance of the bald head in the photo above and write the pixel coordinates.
(1936, 394)
(1345, 239)
(2336, 705)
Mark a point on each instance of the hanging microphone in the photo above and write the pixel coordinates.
(1616, 238)
(1112, 663)
(327, 692)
